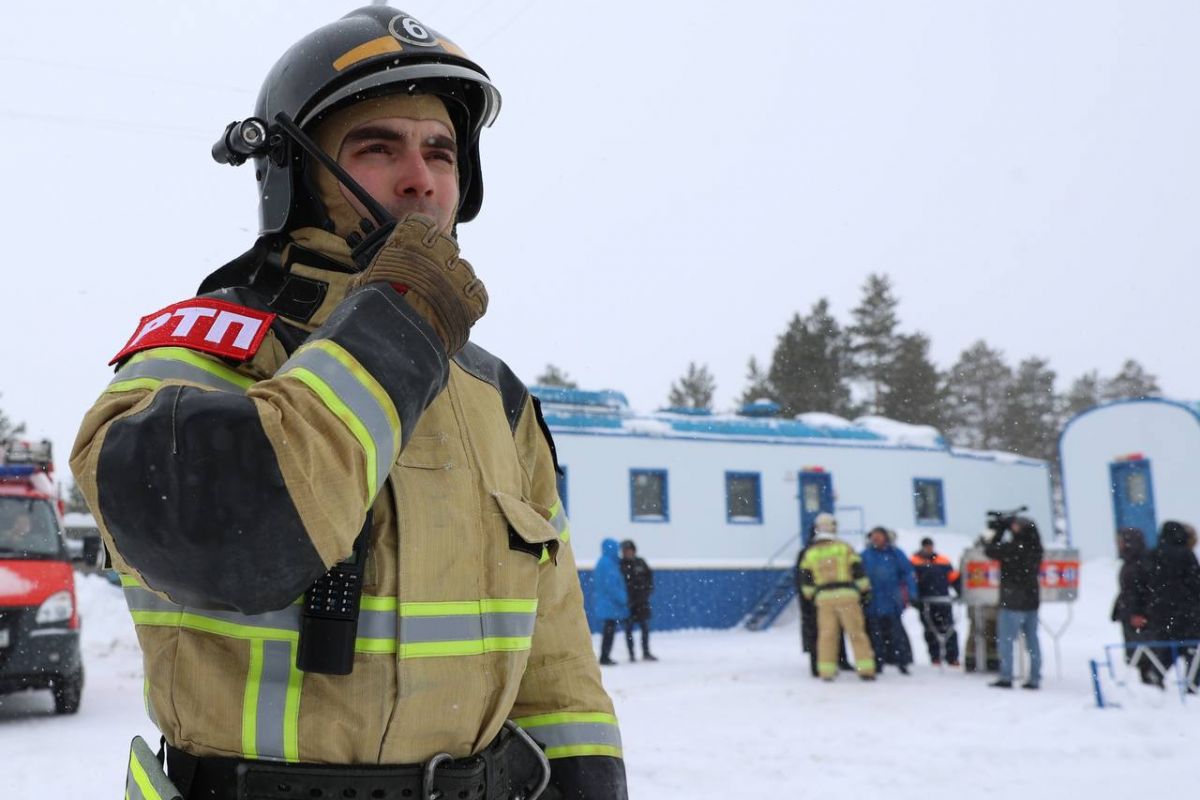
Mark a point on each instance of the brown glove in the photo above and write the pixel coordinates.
(442, 287)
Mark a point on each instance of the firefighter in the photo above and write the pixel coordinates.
(832, 576)
(334, 516)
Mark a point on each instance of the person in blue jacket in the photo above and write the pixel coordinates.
(610, 602)
(893, 588)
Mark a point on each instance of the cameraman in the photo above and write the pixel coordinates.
(1018, 547)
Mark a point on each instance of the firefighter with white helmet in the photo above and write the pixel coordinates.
(335, 517)
(831, 575)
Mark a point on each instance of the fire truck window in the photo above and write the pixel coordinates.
(28, 526)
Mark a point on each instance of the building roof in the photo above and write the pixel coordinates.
(608, 411)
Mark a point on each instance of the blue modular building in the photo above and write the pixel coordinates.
(718, 503)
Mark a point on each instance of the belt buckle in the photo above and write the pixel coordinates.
(427, 790)
(543, 762)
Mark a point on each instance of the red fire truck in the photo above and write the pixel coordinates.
(39, 621)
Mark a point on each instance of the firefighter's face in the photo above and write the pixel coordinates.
(408, 165)
(21, 526)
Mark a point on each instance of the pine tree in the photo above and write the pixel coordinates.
(978, 386)
(1085, 393)
(1030, 417)
(873, 338)
(75, 500)
(913, 387)
(553, 376)
(1131, 382)
(807, 368)
(758, 386)
(694, 390)
(8, 427)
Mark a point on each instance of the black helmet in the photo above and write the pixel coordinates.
(370, 52)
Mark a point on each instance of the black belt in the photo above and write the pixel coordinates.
(512, 767)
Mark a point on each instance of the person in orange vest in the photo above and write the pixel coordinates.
(936, 576)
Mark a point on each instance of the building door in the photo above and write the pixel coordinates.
(1133, 497)
(816, 495)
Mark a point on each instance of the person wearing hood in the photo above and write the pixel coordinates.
(893, 588)
(1129, 608)
(832, 578)
(1018, 548)
(1173, 591)
(639, 585)
(610, 598)
(334, 514)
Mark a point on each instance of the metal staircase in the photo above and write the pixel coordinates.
(772, 603)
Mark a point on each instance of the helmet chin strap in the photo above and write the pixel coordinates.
(374, 232)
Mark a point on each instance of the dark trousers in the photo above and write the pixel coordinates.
(606, 639)
(889, 641)
(1145, 667)
(645, 626)
(938, 619)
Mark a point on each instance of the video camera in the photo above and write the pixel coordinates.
(1000, 521)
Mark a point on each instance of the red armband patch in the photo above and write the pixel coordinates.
(211, 326)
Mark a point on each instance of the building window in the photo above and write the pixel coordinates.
(648, 495)
(743, 498)
(929, 501)
(560, 482)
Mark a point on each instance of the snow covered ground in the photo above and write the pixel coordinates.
(732, 714)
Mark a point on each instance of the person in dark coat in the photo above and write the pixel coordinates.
(893, 588)
(1129, 608)
(1173, 592)
(1018, 548)
(610, 601)
(639, 585)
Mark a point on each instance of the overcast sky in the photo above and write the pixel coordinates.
(666, 182)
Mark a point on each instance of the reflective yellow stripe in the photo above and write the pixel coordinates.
(563, 717)
(198, 622)
(343, 357)
(142, 780)
(343, 412)
(196, 360)
(469, 647)
(130, 385)
(567, 751)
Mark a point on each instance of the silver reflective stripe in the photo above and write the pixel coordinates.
(359, 400)
(559, 520)
(271, 709)
(573, 734)
(377, 624)
(165, 369)
(459, 628)
(279, 625)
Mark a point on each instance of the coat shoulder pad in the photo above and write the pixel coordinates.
(491, 370)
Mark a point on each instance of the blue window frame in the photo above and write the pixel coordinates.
(560, 483)
(743, 498)
(648, 496)
(929, 501)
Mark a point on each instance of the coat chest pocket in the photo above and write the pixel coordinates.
(528, 531)
(433, 451)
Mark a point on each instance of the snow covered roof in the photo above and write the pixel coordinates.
(609, 412)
